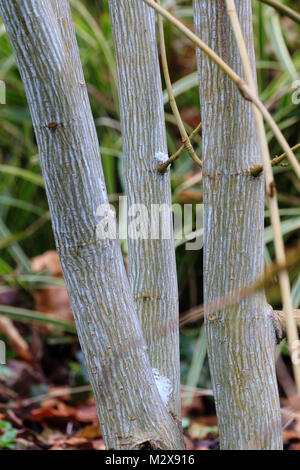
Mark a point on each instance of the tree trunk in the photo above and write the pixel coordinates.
(241, 339)
(130, 409)
(152, 266)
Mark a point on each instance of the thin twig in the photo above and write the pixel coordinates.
(282, 320)
(164, 166)
(283, 9)
(28, 232)
(284, 282)
(52, 394)
(238, 295)
(277, 161)
(195, 391)
(245, 90)
(184, 136)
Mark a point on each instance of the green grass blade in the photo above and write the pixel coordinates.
(15, 250)
(274, 30)
(36, 281)
(21, 173)
(19, 204)
(287, 226)
(182, 86)
(196, 365)
(30, 316)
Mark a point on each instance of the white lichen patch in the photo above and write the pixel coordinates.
(161, 157)
(164, 386)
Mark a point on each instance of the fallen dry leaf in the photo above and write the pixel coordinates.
(91, 431)
(73, 443)
(86, 414)
(53, 300)
(53, 409)
(98, 444)
(58, 411)
(23, 444)
(18, 344)
(48, 261)
(22, 376)
(295, 446)
(188, 443)
(290, 434)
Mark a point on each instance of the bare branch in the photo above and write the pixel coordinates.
(164, 166)
(283, 9)
(184, 136)
(245, 90)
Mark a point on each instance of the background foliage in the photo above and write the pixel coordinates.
(25, 227)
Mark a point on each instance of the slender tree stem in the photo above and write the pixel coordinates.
(131, 411)
(151, 259)
(164, 166)
(292, 333)
(283, 9)
(245, 90)
(184, 136)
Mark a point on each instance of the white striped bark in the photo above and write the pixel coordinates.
(152, 266)
(241, 339)
(130, 409)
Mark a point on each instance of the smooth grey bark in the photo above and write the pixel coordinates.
(130, 409)
(152, 265)
(241, 339)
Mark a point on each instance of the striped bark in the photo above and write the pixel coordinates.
(152, 266)
(241, 339)
(129, 406)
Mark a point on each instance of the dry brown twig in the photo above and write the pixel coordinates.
(244, 89)
(238, 295)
